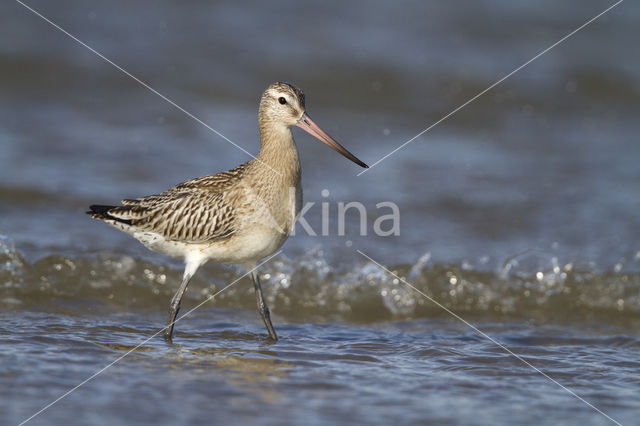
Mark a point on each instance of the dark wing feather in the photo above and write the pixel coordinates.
(194, 211)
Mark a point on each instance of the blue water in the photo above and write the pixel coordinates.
(519, 213)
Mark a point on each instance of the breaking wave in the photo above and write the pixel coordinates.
(529, 286)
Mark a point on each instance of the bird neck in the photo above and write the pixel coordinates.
(278, 151)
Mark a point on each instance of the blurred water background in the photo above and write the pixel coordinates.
(520, 213)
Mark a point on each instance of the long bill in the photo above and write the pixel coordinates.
(309, 126)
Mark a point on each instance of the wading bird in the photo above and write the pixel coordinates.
(235, 217)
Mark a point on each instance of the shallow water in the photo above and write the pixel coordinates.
(422, 371)
(519, 213)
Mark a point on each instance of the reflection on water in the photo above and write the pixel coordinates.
(252, 372)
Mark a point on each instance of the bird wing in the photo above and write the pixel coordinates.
(198, 210)
(194, 216)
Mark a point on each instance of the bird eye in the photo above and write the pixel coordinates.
(282, 100)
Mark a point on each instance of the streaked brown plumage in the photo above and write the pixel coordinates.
(239, 216)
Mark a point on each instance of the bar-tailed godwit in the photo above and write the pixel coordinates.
(235, 217)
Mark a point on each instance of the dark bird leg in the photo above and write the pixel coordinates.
(174, 306)
(262, 306)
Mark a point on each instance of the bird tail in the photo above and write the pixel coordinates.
(102, 212)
